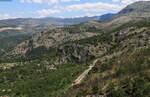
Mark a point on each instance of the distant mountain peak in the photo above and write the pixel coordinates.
(106, 16)
(137, 7)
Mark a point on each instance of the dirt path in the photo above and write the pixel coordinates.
(83, 75)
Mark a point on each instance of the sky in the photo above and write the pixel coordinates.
(60, 8)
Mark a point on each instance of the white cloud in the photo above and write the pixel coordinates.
(46, 12)
(126, 2)
(93, 7)
(115, 0)
(6, 16)
(46, 1)
(97, 7)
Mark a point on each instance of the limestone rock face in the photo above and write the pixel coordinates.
(48, 39)
(76, 53)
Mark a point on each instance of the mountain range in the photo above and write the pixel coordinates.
(98, 56)
(12, 36)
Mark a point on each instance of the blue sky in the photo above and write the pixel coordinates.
(59, 8)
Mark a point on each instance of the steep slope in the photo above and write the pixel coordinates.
(138, 7)
(123, 75)
(136, 11)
